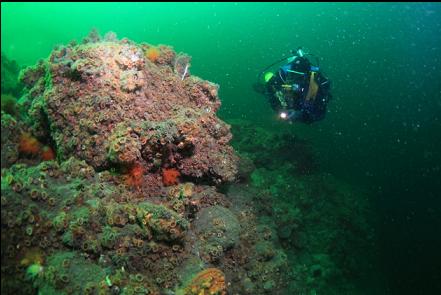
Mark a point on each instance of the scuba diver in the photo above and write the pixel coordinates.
(298, 91)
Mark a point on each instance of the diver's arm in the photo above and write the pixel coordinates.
(294, 116)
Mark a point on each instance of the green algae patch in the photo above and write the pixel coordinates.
(62, 268)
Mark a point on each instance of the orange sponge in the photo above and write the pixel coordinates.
(29, 144)
(134, 177)
(152, 54)
(209, 281)
(47, 153)
(170, 176)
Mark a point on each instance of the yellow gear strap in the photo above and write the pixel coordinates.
(313, 87)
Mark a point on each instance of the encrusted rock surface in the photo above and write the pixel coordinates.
(113, 105)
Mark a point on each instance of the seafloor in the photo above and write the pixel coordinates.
(119, 178)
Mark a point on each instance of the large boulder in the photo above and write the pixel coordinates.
(120, 104)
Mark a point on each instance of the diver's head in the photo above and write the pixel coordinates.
(300, 52)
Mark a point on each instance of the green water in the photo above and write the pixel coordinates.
(383, 128)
